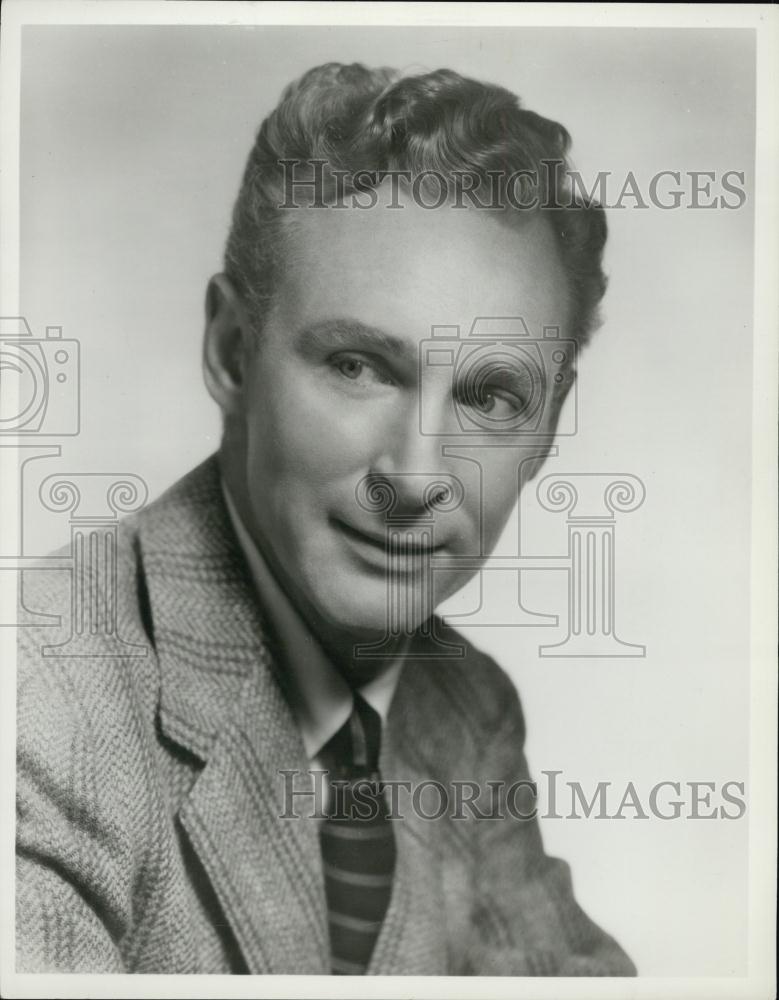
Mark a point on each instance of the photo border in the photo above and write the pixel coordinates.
(764, 20)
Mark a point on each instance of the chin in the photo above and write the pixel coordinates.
(361, 610)
(365, 618)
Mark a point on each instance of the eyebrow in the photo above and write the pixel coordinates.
(344, 332)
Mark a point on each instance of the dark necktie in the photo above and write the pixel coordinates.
(357, 840)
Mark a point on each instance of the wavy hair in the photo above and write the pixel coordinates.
(367, 122)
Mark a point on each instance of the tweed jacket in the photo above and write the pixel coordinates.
(150, 829)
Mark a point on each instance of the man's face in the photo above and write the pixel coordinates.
(340, 390)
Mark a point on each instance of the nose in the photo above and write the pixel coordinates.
(411, 467)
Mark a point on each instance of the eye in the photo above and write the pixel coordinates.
(350, 367)
(360, 370)
(495, 391)
(498, 403)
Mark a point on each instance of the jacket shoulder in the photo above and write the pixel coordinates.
(465, 691)
(88, 677)
(88, 796)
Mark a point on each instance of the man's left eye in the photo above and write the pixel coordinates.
(494, 401)
(499, 404)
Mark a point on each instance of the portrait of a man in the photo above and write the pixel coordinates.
(256, 579)
(271, 711)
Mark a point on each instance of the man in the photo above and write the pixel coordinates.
(283, 591)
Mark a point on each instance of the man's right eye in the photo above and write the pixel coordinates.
(360, 369)
(350, 367)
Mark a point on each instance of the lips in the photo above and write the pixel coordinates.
(373, 547)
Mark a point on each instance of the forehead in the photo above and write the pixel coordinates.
(410, 268)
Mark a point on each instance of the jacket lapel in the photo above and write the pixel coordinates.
(221, 700)
(265, 869)
(412, 941)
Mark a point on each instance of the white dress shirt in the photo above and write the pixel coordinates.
(320, 698)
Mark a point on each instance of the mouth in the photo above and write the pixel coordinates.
(373, 548)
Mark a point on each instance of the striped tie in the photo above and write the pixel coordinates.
(357, 840)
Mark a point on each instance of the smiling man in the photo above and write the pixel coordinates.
(330, 392)
(377, 344)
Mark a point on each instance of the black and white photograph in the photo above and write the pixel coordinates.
(388, 553)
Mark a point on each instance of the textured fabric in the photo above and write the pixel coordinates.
(357, 840)
(152, 827)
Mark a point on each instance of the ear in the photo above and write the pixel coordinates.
(227, 345)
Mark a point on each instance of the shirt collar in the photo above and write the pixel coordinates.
(321, 700)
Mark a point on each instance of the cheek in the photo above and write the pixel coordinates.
(491, 502)
(497, 514)
(298, 433)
